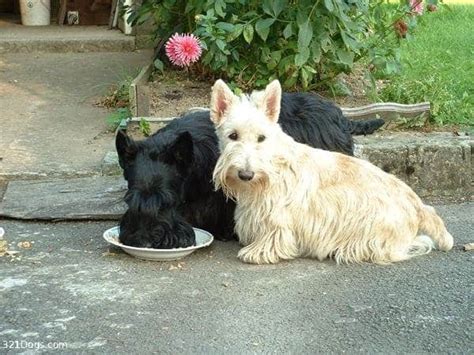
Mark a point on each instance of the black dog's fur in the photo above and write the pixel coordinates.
(154, 189)
(170, 174)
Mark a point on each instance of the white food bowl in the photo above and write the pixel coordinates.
(203, 239)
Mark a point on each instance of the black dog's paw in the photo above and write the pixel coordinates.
(135, 239)
(187, 236)
(179, 235)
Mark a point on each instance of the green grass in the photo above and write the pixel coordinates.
(438, 65)
(451, 2)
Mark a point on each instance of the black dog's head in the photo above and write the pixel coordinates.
(154, 174)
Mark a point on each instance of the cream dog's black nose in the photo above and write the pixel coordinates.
(246, 175)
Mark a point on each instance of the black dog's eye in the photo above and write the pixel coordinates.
(234, 136)
(261, 138)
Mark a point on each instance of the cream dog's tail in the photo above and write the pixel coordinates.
(432, 225)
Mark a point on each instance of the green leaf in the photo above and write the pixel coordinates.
(267, 7)
(235, 55)
(288, 31)
(278, 6)
(272, 64)
(221, 44)
(301, 16)
(339, 88)
(302, 57)
(228, 27)
(236, 32)
(220, 6)
(345, 57)
(285, 64)
(391, 67)
(159, 65)
(203, 45)
(145, 127)
(265, 54)
(329, 5)
(316, 50)
(350, 42)
(326, 43)
(207, 59)
(273, 59)
(248, 33)
(276, 55)
(291, 81)
(305, 35)
(250, 14)
(263, 27)
(306, 76)
(210, 14)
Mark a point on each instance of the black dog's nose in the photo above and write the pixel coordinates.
(246, 175)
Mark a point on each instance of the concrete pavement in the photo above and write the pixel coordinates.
(69, 287)
(50, 124)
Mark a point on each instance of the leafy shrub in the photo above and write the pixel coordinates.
(305, 43)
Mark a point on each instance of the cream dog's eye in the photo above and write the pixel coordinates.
(261, 138)
(233, 136)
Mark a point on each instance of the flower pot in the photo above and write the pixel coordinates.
(35, 12)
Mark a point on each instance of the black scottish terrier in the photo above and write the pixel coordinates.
(154, 189)
(170, 174)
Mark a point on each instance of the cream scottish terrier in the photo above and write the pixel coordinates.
(297, 201)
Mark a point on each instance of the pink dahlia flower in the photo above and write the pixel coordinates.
(183, 49)
(417, 6)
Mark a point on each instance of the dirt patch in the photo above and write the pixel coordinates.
(174, 94)
(357, 83)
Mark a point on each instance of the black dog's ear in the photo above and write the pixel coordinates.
(126, 148)
(181, 151)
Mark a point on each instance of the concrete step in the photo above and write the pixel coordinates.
(89, 198)
(56, 39)
(435, 165)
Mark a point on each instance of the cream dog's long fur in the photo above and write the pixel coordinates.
(305, 202)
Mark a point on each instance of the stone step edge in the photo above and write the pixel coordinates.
(432, 164)
(81, 45)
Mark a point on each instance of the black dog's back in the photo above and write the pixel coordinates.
(317, 122)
